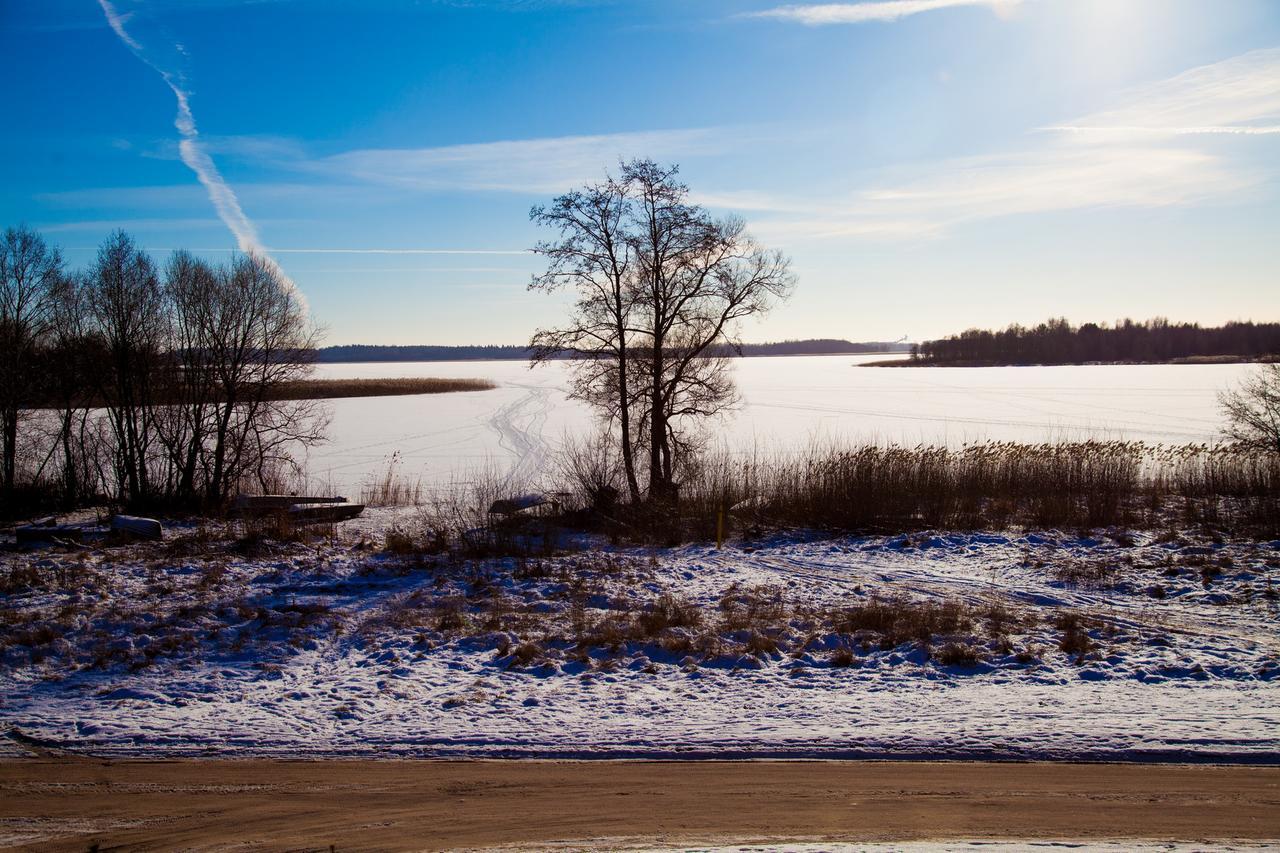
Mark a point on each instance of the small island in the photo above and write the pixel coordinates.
(1058, 342)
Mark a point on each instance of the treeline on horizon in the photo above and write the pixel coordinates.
(1058, 342)
(514, 352)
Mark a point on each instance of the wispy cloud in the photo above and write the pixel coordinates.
(1236, 97)
(537, 166)
(1155, 148)
(1139, 130)
(826, 14)
(192, 151)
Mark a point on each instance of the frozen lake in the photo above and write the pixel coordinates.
(787, 402)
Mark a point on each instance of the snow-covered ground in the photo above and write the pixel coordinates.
(793, 645)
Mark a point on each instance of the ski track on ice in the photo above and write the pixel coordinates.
(519, 426)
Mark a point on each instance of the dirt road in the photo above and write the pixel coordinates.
(67, 804)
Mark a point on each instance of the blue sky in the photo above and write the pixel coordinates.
(929, 165)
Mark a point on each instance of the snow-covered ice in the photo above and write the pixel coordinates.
(786, 401)
(336, 647)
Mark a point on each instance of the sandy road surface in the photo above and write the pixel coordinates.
(66, 804)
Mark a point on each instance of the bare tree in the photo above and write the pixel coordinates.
(126, 303)
(72, 364)
(1253, 409)
(662, 288)
(593, 257)
(258, 340)
(29, 272)
(192, 386)
(698, 279)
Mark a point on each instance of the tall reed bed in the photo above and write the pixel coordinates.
(886, 488)
(891, 488)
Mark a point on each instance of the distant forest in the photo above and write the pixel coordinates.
(369, 352)
(1058, 342)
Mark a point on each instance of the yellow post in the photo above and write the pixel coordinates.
(720, 528)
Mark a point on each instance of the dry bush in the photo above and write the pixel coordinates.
(899, 619)
(842, 657)
(459, 520)
(526, 653)
(759, 644)
(1075, 638)
(1088, 574)
(957, 654)
(665, 612)
(755, 608)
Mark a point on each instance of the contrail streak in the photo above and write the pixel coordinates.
(220, 193)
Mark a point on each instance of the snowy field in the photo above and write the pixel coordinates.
(1027, 645)
(787, 402)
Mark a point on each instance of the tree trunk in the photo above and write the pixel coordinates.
(10, 449)
(624, 421)
(70, 479)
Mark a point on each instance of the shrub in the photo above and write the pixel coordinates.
(526, 653)
(957, 654)
(841, 657)
(898, 620)
(1075, 635)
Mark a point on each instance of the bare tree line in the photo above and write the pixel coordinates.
(144, 385)
(660, 287)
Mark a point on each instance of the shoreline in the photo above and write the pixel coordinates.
(836, 354)
(1190, 360)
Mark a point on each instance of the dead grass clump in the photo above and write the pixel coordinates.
(957, 654)
(392, 489)
(526, 653)
(1000, 619)
(754, 608)
(611, 633)
(199, 542)
(677, 643)
(21, 578)
(666, 611)
(450, 614)
(1087, 574)
(212, 575)
(842, 657)
(1075, 640)
(760, 645)
(898, 620)
(260, 535)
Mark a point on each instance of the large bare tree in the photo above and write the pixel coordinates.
(30, 270)
(662, 288)
(592, 256)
